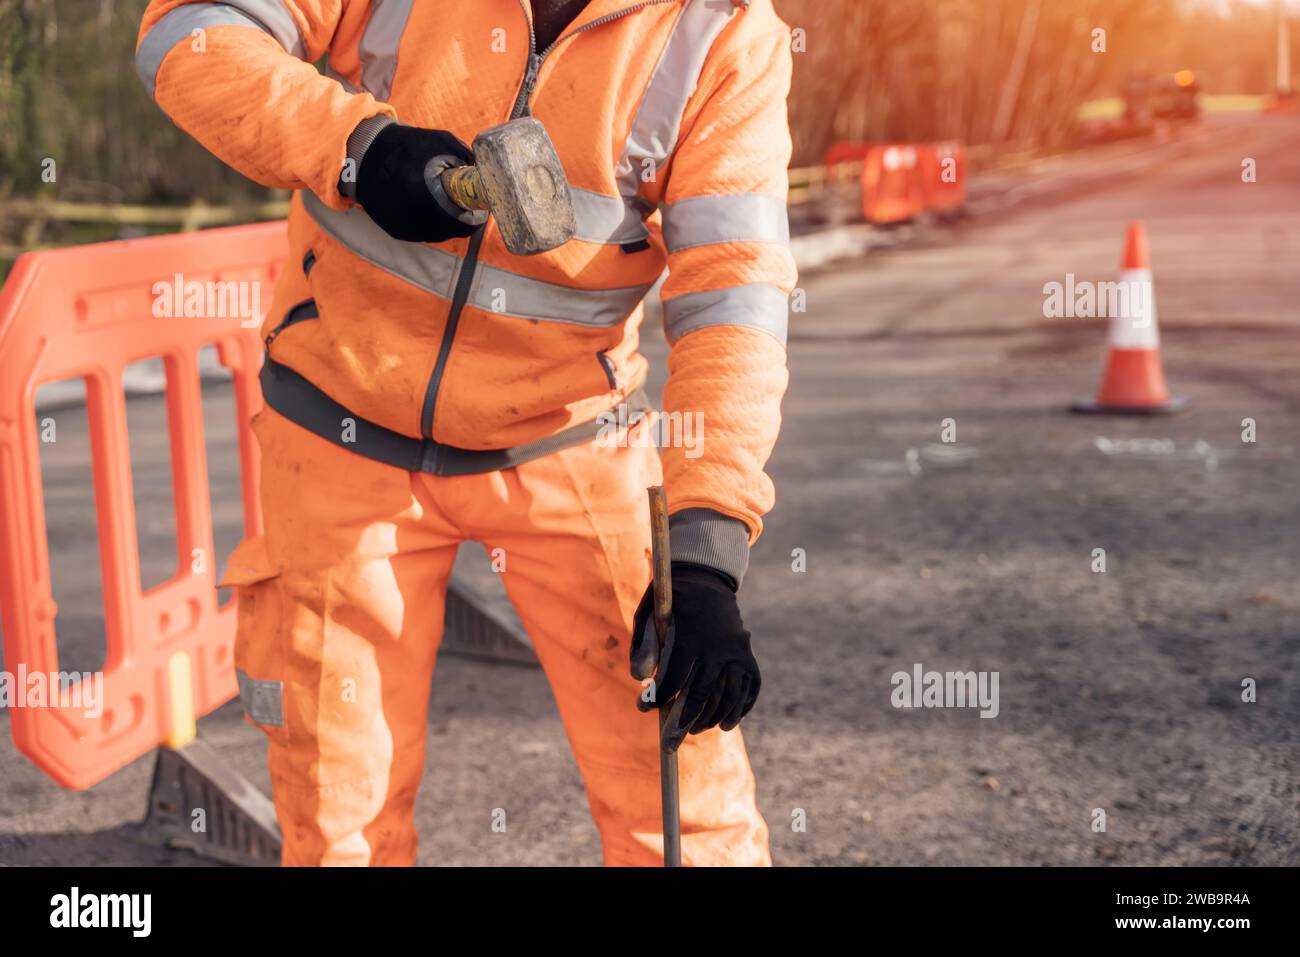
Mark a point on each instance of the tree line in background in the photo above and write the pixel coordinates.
(1003, 72)
(1000, 72)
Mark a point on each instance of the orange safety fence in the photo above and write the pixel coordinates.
(892, 191)
(88, 312)
(900, 181)
(839, 156)
(943, 176)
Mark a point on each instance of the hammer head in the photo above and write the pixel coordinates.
(526, 187)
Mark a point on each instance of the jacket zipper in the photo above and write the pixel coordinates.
(465, 280)
(304, 310)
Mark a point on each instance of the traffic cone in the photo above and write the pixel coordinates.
(1134, 381)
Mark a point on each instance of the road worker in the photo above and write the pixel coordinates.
(424, 387)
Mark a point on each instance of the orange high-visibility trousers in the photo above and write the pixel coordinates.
(341, 613)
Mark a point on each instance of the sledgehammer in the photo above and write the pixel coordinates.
(517, 177)
(661, 559)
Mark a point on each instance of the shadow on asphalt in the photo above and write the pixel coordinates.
(114, 846)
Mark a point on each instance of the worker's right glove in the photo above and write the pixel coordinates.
(397, 179)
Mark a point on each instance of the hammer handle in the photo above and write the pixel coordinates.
(465, 187)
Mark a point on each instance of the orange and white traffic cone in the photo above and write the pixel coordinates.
(1134, 380)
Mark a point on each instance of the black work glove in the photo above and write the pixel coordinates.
(393, 184)
(708, 675)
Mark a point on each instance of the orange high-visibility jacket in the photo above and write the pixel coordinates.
(669, 117)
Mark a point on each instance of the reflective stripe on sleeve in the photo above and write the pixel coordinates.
(754, 306)
(732, 218)
(269, 16)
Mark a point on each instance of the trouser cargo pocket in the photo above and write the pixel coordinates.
(261, 637)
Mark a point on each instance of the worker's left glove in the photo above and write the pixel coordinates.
(708, 675)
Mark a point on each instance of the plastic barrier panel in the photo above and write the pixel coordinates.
(943, 176)
(89, 312)
(891, 184)
(842, 153)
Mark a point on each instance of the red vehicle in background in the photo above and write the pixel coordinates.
(1177, 97)
(1169, 97)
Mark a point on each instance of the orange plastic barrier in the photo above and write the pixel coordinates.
(943, 176)
(1284, 103)
(88, 312)
(892, 191)
(842, 153)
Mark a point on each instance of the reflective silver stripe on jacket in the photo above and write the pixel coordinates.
(755, 306)
(730, 218)
(342, 80)
(610, 220)
(379, 44)
(658, 119)
(494, 290)
(269, 16)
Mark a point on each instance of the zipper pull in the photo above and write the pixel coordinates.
(530, 81)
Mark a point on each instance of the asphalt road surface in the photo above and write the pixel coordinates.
(1119, 691)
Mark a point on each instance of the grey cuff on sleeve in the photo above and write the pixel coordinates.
(358, 142)
(705, 537)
